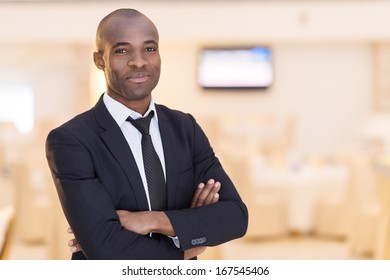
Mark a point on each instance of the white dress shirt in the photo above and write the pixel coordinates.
(133, 137)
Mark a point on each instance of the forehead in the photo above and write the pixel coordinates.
(132, 30)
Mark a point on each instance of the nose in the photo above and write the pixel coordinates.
(137, 60)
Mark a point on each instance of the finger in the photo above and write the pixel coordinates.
(125, 216)
(75, 249)
(70, 230)
(205, 193)
(211, 196)
(196, 195)
(72, 242)
(121, 214)
(215, 198)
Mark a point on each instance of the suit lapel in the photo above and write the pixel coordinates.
(168, 142)
(113, 138)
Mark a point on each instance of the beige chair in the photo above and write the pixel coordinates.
(331, 218)
(332, 211)
(58, 237)
(31, 203)
(212, 253)
(382, 244)
(267, 211)
(267, 216)
(365, 208)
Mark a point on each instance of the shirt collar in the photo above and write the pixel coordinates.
(120, 112)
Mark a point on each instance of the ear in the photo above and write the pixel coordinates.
(98, 59)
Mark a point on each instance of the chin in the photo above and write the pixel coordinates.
(137, 96)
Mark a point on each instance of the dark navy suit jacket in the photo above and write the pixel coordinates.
(95, 174)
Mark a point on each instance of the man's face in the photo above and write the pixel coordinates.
(131, 59)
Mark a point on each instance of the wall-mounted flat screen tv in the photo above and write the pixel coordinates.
(235, 68)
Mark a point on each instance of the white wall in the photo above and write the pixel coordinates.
(204, 21)
(52, 70)
(48, 73)
(322, 53)
(326, 87)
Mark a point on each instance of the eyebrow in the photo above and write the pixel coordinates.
(119, 44)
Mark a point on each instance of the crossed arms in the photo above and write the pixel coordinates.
(92, 170)
(145, 222)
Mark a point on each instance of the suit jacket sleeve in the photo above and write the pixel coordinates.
(89, 208)
(213, 224)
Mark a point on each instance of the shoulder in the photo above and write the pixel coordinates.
(173, 116)
(78, 122)
(171, 112)
(94, 119)
(76, 127)
(181, 122)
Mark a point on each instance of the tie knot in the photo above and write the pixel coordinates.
(142, 124)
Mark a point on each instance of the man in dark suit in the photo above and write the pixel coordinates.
(97, 165)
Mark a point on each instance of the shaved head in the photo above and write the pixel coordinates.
(128, 54)
(129, 13)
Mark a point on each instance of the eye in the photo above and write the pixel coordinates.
(120, 51)
(150, 49)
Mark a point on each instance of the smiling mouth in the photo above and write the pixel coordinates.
(138, 78)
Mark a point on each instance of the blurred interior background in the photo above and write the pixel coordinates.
(309, 150)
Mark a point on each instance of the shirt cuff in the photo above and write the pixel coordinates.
(175, 240)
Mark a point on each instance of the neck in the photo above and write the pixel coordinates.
(138, 105)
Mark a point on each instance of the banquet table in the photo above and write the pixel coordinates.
(300, 188)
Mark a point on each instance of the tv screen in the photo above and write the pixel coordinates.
(235, 68)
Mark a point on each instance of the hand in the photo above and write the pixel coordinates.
(145, 222)
(140, 222)
(133, 221)
(206, 194)
(137, 222)
(130, 220)
(193, 252)
(73, 243)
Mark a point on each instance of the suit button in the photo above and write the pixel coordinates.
(198, 241)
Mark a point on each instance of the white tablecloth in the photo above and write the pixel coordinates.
(300, 188)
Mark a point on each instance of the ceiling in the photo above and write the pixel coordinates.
(101, 1)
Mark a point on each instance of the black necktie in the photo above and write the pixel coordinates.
(153, 169)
